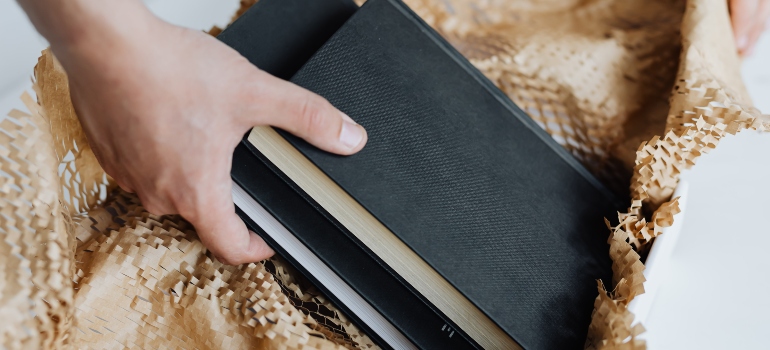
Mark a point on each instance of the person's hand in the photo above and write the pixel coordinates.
(749, 19)
(163, 108)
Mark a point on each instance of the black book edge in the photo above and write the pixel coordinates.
(360, 269)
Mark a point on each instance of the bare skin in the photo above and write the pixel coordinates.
(163, 108)
(750, 18)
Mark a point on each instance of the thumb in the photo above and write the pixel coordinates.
(311, 117)
(222, 231)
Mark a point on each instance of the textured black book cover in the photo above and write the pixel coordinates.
(463, 177)
(469, 183)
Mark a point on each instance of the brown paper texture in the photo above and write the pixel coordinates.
(637, 90)
(86, 266)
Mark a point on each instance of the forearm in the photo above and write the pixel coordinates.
(87, 29)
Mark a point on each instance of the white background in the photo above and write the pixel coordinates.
(716, 282)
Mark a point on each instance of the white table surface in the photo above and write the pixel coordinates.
(713, 295)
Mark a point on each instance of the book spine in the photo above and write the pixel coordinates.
(360, 268)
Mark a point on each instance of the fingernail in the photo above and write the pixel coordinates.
(742, 42)
(351, 134)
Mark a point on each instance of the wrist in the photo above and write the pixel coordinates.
(90, 31)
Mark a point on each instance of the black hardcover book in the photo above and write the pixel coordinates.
(461, 224)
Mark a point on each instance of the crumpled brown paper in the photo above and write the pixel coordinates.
(86, 266)
(637, 90)
(592, 74)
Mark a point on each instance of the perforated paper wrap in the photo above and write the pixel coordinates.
(637, 90)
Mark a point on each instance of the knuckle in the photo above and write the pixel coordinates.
(153, 207)
(230, 257)
(193, 207)
(113, 171)
(188, 210)
(312, 114)
(124, 187)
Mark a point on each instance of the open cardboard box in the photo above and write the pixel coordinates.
(658, 262)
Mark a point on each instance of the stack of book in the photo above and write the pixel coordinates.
(461, 224)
